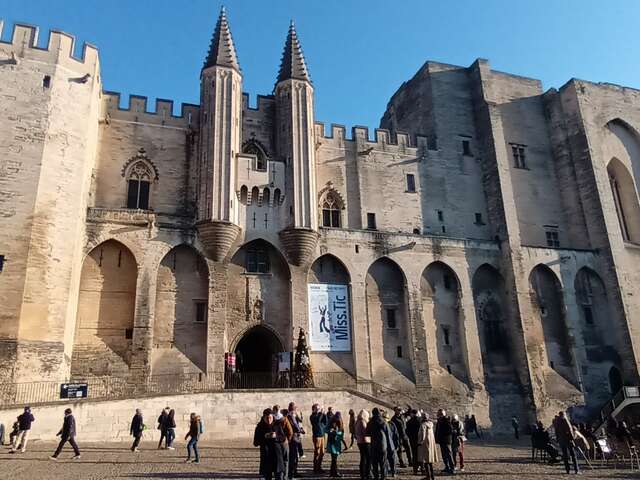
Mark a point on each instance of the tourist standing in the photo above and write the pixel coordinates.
(171, 429)
(282, 423)
(364, 444)
(335, 441)
(427, 452)
(270, 437)
(566, 439)
(474, 426)
(67, 434)
(193, 435)
(457, 443)
(413, 428)
(516, 427)
(24, 426)
(162, 426)
(295, 442)
(403, 440)
(443, 438)
(392, 445)
(352, 426)
(319, 424)
(378, 431)
(298, 416)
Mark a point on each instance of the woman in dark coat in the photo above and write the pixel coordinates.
(271, 439)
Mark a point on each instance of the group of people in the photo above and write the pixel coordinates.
(383, 441)
(19, 435)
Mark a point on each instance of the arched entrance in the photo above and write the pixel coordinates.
(256, 359)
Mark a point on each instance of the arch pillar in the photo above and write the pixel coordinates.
(142, 343)
(299, 305)
(471, 335)
(420, 351)
(217, 316)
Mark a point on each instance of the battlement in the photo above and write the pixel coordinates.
(264, 102)
(137, 111)
(383, 139)
(60, 49)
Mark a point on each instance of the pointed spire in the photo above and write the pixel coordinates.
(222, 51)
(293, 64)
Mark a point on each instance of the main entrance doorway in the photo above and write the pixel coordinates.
(255, 359)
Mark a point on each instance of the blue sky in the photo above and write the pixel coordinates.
(358, 52)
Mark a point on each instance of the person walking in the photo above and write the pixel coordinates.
(15, 428)
(403, 440)
(319, 424)
(67, 434)
(427, 451)
(457, 443)
(566, 439)
(171, 429)
(193, 435)
(282, 423)
(516, 427)
(413, 428)
(352, 426)
(269, 437)
(378, 430)
(474, 426)
(364, 444)
(136, 429)
(443, 438)
(162, 426)
(335, 441)
(25, 419)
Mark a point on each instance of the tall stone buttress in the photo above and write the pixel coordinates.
(296, 145)
(220, 142)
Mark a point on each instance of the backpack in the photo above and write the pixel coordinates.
(201, 427)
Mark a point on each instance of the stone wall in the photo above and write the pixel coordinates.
(226, 415)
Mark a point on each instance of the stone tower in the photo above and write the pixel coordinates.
(220, 120)
(295, 144)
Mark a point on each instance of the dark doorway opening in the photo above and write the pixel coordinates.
(256, 359)
(615, 380)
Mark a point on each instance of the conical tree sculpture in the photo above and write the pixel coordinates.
(302, 373)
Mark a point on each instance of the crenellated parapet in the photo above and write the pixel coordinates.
(383, 140)
(60, 49)
(264, 103)
(137, 111)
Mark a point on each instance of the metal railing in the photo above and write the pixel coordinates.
(609, 407)
(116, 388)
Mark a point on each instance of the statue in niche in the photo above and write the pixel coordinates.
(258, 310)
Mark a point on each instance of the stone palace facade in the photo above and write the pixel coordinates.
(487, 235)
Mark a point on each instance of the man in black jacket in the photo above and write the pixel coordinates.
(413, 428)
(403, 443)
(137, 426)
(378, 430)
(67, 434)
(24, 426)
(444, 438)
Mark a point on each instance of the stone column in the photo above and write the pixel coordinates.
(419, 354)
(299, 308)
(472, 348)
(361, 343)
(142, 344)
(217, 316)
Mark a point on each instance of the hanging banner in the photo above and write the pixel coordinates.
(329, 319)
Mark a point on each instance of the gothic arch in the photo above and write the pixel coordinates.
(328, 269)
(491, 316)
(625, 199)
(255, 147)
(440, 292)
(259, 288)
(388, 318)
(106, 310)
(548, 304)
(181, 312)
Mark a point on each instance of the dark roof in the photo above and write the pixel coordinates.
(222, 51)
(293, 64)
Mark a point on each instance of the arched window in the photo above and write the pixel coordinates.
(625, 198)
(255, 193)
(266, 196)
(139, 179)
(243, 195)
(252, 148)
(276, 197)
(331, 211)
(257, 260)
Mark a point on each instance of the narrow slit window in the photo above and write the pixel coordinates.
(391, 318)
(411, 182)
(399, 351)
(200, 311)
(466, 148)
(371, 221)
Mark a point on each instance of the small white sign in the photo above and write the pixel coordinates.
(329, 319)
